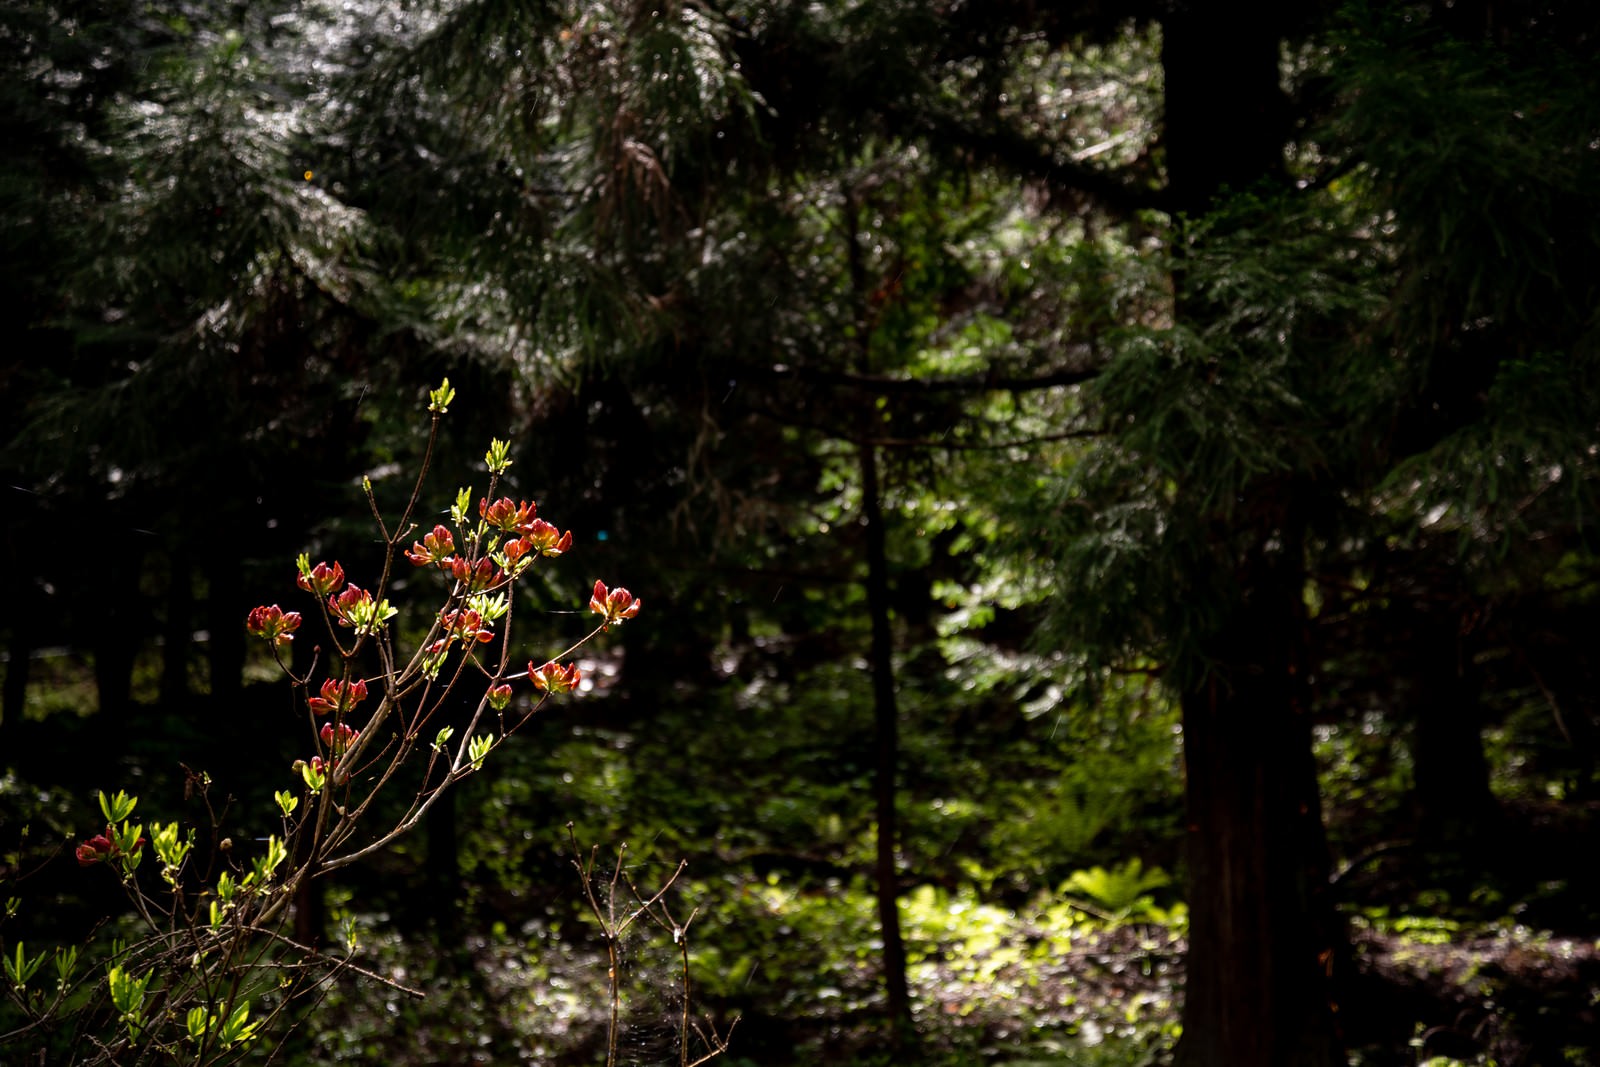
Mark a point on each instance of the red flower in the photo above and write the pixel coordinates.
(613, 606)
(337, 739)
(272, 623)
(339, 696)
(546, 539)
(499, 697)
(467, 625)
(348, 603)
(97, 848)
(102, 847)
(317, 766)
(514, 549)
(478, 577)
(505, 515)
(554, 678)
(321, 579)
(435, 547)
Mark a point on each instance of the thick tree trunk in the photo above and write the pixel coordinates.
(1453, 799)
(225, 614)
(1261, 944)
(116, 638)
(1223, 116)
(178, 633)
(1262, 932)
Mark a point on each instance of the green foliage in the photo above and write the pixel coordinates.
(20, 969)
(1123, 891)
(128, 997)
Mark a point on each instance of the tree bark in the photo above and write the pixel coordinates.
(116, 638)
(1453, 799)
(177, 633)
(443, 875)
(886, 742)
(225, 614)
(1262, 945)
(885, 707)
(1263, 938)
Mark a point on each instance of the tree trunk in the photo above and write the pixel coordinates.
(885, 707)
(1262, 931)
(443, 875)
(886, 742)
(225, 615)
(178, 633)
(1223, 123)
(1453, 799)
(116, 638)
(19, 661)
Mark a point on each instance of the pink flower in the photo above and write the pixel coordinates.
(613, 606)
(272, 623)
(554, 678)
(321, 579)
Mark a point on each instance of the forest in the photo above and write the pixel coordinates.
(860, 532)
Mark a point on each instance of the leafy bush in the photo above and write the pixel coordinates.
(203, 966)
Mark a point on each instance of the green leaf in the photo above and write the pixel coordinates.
(439, 399)
(119, 807)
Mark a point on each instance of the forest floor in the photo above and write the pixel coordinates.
(1108, 995)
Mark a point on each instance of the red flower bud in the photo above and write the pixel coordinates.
(346, 602)
(435, 547)
(339, 696)
(505, 515)
(272, 623)
(499, 697)
(467, 625)
(547, 539)
(614, 605)
(321, 579)
(337, 740)
(97, 848)
(554, 678)
(477, 578)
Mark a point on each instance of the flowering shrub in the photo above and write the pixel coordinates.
(213, 947)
